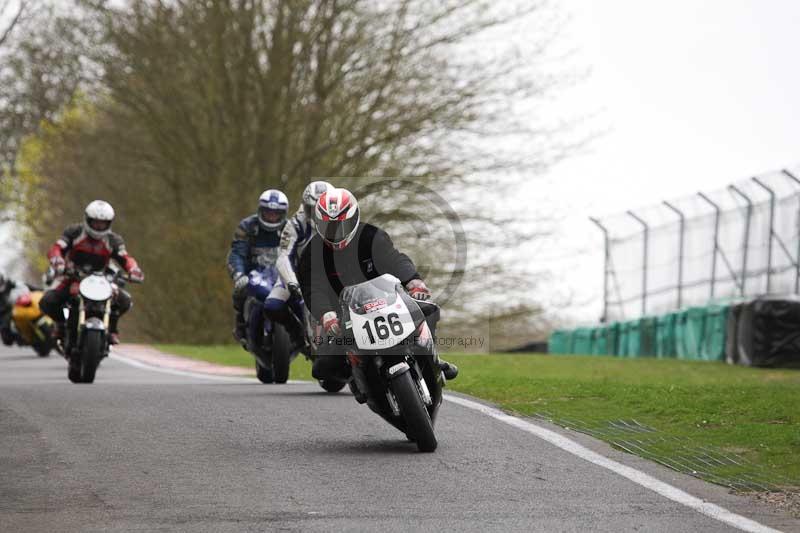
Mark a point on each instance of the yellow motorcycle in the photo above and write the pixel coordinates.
(31, 327)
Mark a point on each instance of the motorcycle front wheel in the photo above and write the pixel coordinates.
(418, 423)
(91, 354)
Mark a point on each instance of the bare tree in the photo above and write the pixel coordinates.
(14, 14)
(205, 104)
(41, 69)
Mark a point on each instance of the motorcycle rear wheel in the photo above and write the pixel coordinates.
(418, 422)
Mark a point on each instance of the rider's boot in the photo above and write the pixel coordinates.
(240, 330)
(113, 329)
(330, 367)
(58, 331)
(449, 370)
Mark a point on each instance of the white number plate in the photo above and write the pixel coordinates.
(384, 327)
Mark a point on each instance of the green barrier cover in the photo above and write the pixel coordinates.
(582, 341)
(560, 342)
(697, 333)
(693, 328)
(599, 340)
(665, 336)
(680, 334)
(634, 345)
(612, 338)
(622, 340)
(647, 328)
(714, 333)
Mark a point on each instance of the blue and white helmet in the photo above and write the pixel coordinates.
(273, 207)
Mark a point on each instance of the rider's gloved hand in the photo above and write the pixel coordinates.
(294, 290)
(330, 323)
(136, 274)
(418, 290)
(58, 264)
(240, 281)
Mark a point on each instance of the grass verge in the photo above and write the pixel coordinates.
(732, 425)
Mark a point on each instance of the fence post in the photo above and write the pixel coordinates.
(716, 241)
(607, 252)
(646, 236)
(797, 261)
(735, 189)
(680, 250)
(771, 230)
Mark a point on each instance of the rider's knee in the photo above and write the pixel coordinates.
(123, 302)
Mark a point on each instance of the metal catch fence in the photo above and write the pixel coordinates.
(735, 243)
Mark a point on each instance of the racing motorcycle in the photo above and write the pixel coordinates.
(270, 343)
(86, 337)
(30, 326)
(393, 357)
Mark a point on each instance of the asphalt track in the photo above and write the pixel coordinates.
(142, 450)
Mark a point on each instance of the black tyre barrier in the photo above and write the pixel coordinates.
(768, 333)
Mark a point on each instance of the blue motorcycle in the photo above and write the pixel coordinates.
(270, 343)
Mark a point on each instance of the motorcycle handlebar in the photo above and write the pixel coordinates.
(116, 276)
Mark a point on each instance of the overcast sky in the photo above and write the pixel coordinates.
(694, 95)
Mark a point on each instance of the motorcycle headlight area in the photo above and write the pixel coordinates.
(96, 288)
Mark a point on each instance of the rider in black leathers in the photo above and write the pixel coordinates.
(346, 252)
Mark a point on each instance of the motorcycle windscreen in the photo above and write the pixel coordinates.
(261, 282)
(379, 318)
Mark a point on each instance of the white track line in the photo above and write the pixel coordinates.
(637, 476)
(556, 439)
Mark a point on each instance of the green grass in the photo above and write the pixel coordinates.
(752, 413)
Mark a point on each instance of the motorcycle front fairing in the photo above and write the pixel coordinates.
(385, 325)
(261, 282)
(381, 317)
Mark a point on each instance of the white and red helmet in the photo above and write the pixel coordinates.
(336, 217)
